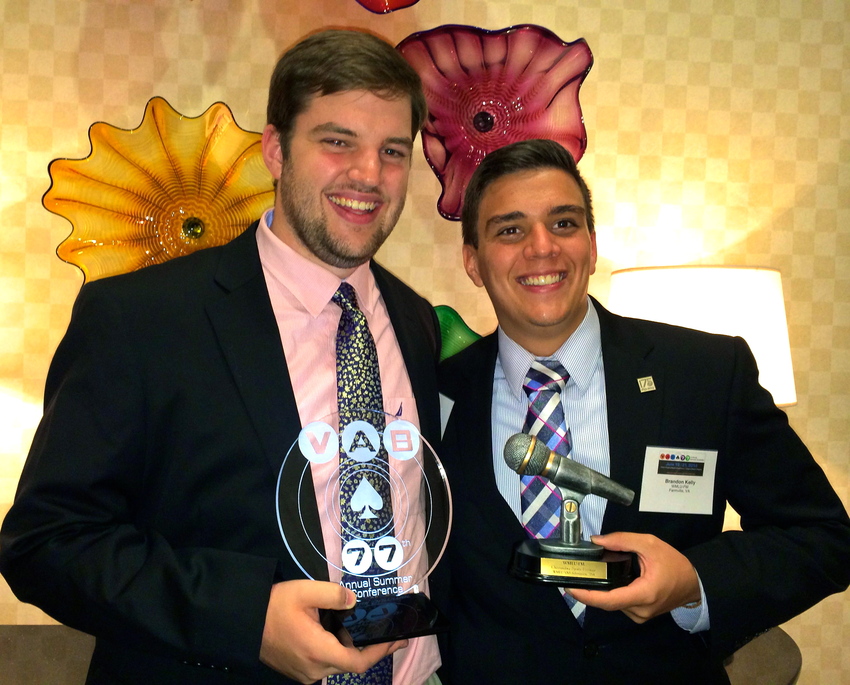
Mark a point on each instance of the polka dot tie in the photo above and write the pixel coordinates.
(358, 380)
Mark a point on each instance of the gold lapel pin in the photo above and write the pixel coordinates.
(646, 384)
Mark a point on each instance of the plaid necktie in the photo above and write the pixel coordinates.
(365, 501)
(541, 501)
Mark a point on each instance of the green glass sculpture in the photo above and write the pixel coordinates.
(455, 334)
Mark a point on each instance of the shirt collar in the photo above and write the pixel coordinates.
(579, 355)
(292, 271)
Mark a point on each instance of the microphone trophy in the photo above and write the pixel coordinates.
(368, 508)
(567, 561)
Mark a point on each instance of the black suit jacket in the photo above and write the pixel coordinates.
(795, 551)
(145, 513)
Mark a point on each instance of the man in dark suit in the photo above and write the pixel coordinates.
(146, 512)
(635, 391)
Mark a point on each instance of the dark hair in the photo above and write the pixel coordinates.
(525, 155)
(336, 61)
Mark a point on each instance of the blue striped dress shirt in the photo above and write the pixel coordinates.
(586, 413)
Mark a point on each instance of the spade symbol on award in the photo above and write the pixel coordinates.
(366, 500)
(384, 539)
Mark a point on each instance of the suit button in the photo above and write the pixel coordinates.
(591, 651)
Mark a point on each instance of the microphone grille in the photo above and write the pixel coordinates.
(517, 447)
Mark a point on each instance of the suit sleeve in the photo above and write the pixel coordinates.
(81, 540)
(795, 546)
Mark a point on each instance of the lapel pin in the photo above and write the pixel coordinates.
(646, 384)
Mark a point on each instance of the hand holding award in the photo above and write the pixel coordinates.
(381, 525)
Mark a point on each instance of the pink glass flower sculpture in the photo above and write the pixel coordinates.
(386, 6)
(486, 89)
(171, 186)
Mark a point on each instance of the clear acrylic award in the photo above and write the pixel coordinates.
(369, 508)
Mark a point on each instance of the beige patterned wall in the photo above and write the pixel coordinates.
(719, 133)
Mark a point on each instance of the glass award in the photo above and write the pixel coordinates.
(369, 508)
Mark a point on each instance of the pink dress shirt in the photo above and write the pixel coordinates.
(307, 321)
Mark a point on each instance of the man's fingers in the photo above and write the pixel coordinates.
(360, 660)
(324, 595)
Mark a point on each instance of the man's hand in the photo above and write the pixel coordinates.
(667, 579)
(296, 644)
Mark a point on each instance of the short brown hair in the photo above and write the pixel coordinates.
(525, 155)
(336, 61)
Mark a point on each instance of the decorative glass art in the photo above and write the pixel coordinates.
(486, 89)
(454, 332)
(172, 186)
(386, 6)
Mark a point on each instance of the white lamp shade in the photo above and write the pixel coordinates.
(743, 301)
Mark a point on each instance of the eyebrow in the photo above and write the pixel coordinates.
(331, 127)
(567, 209)
(557, 210)
(504, 219)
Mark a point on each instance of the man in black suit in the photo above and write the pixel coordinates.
(146, 512)
(636, 391)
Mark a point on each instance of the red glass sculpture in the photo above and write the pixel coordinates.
(486, 89)
(386, 6)
(173, 185)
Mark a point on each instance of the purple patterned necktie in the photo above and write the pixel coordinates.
(359, 397)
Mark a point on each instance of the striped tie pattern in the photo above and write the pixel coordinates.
(541, 501)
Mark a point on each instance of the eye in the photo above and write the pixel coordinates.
(395, 153)
(508, 232)
(334, 142)
(565, 224)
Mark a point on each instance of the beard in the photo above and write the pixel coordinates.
(303, 212)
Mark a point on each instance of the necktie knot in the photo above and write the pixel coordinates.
(345, 297)
(545, 375)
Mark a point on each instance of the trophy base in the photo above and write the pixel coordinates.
(373, 621)
(610, 570)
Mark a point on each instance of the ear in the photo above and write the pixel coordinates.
(470, 263)
(593, 253)
(272, 151)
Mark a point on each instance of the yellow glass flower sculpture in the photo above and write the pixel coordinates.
(171, 186)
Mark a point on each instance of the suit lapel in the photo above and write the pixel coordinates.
(634, 417)
(420, 358)
(250, 342)
(475, 441)
(247, 331)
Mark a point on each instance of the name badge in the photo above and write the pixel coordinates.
(677, 480)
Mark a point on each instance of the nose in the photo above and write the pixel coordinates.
(540, 242)
(366, 167)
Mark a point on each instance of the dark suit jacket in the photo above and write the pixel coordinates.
(795, 551)
(145, 513)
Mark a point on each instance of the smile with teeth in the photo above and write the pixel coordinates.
(544, 279)
(356, 205)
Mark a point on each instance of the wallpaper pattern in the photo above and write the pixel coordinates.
(718, 133)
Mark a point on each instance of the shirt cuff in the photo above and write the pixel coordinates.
(693, 619)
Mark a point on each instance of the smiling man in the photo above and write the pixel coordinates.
(146, 513)
(344, 174)
(529, 240)
(534, 260)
